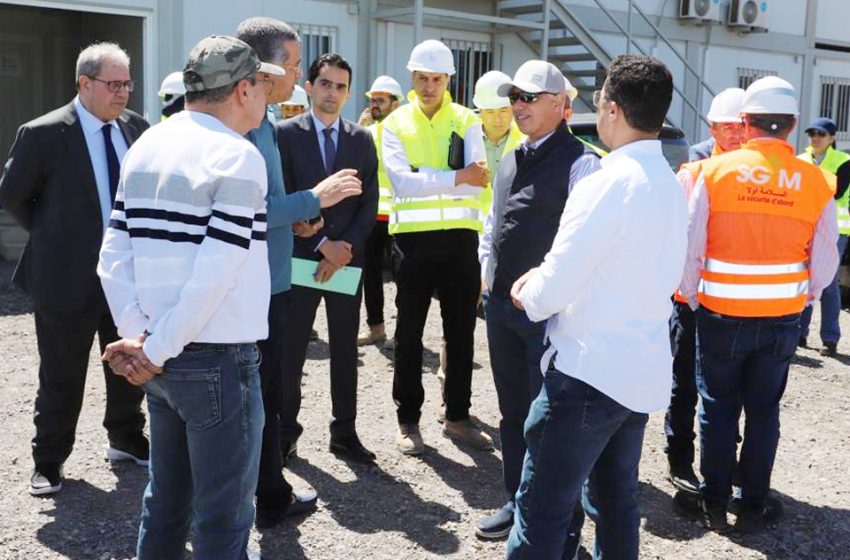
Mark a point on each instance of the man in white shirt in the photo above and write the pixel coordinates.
(605, 289)
(185, 270)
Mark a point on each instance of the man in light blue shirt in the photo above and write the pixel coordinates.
(277, 43)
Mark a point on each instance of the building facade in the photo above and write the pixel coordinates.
(803, 41)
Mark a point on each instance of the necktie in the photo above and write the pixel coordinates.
(111, 162)
(522, 152)
(330, 150)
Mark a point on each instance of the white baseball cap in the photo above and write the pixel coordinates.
(536, 76)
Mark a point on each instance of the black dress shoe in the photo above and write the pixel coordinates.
(829, 350)
(683, 477)
(300, 502)
(351, 448)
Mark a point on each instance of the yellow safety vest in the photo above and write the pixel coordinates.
(515, 138)
(426, 144)
(831, 162)
(385, 189)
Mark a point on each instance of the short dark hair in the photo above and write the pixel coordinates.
(266, 36)
(329, 59)
(642, 87)
(778, 126)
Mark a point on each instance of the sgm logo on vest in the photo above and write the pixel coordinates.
(760, 175)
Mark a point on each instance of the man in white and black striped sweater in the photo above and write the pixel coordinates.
(184, 268)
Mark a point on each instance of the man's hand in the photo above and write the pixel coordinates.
(325, 270)
(338, 253)
(127, 358)
(306, 229)
(365, 118)
(517, 287)
(337, 187)
(475, 174)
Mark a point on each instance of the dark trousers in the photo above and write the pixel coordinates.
(516, 347)
(448, 262)
(679, 420)
(373, 272)
(272, 488)
(742, 361)
(64, 346)
(580, 441)
(343, 312)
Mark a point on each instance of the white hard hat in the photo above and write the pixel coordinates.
(431, 56)
(485, 91)
(726, 106)
(770, 96)
(172, 85)
(385, 84)
(299, 97)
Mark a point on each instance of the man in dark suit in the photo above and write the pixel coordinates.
(59, 185)
(313, 146)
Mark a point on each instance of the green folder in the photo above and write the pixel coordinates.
(344, 281)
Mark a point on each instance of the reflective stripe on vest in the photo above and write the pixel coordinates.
(385, 189)
(832, 160)
(426, 144)
(764, 205)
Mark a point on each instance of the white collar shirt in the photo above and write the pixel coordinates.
(606, 283)
(92, 131)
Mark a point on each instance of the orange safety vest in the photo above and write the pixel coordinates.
(764, 205)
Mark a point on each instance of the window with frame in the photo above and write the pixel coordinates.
(316, 40)
(472, 60)
(746, 76)
(835, 103)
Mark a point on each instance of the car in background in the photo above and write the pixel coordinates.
(673, 142)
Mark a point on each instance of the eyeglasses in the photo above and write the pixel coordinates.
(525, 96)
(114, 86)
(597, 97)
(813, 133)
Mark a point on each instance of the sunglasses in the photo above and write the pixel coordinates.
(526, 97)
(813, 133)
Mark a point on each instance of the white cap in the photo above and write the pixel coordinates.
(536, 76)
(726, 106)
(172, 85)
(431, 56)
(572, 92)
(770, 96)
(299, 97)
(385, 84)
(485, 91)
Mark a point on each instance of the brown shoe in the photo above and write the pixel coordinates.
(409, 440)
(466, 432)
(376, 335)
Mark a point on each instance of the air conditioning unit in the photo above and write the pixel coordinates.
(748, 13)
(705, 10)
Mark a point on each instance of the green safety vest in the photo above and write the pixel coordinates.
(426, 144)
(515, 138)
(385, 189)
(831, 162)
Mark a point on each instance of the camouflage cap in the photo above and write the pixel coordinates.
(219, 61)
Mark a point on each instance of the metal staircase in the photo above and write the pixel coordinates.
(566, 42)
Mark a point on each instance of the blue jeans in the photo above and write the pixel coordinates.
(575, 434)
(743, 362)
(516, 346)
(830, 307)
(206, 421)
(679, 420)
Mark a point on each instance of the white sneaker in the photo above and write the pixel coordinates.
(41, 485)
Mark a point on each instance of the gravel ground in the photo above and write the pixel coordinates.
(403, 507)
